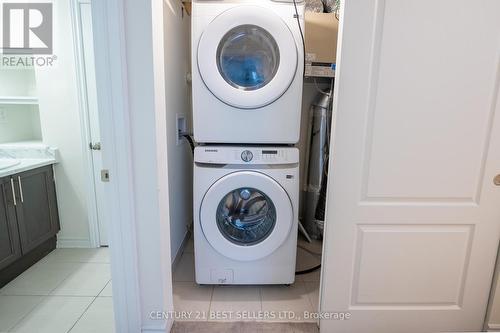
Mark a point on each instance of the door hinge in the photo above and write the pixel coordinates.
(95, 146)
(105, 175)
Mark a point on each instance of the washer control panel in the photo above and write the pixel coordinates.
(246, 155)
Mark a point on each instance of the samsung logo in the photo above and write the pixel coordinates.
(211, 150)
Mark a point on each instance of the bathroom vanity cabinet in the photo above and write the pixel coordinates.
(29, 220)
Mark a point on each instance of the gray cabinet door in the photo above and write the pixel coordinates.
(10, 248)
(36, 207)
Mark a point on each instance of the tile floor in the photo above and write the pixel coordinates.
(302, 296)
(67, 291)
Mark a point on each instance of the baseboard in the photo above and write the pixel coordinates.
(73, 243)
(178, 255)
(165, 327)
(494, 327)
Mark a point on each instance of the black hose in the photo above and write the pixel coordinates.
(190, 140)
(309, 270)
(302, 37)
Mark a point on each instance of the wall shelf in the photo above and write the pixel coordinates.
(18, 100)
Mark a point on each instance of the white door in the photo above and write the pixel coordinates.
(413, 215)
(93, 115)
(247, 57)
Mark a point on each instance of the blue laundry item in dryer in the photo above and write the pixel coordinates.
(244, 71)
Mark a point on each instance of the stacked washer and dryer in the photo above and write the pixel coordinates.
(247, 58)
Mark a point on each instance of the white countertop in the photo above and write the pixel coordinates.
(27, 164)
(30, 155)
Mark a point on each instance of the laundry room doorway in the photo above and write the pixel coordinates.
(84, 49)
(257, 209)
(411, 215)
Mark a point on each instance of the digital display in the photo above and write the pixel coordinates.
(270, 152)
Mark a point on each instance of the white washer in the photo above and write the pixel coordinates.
(247, 61)
(245, 208)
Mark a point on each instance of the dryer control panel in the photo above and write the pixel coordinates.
(246, 155)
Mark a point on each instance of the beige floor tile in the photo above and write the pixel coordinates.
(306, 260)
(243, 327)
(99, 255)
(99, 318)
(235, 303)
(286, 303)
(14, 308)
(309, 277)
(316, 245)
(39, 279)
(192, 301)
(88, 279)
(54, 315)
(184, 271)
(312, 289)
(107, 291)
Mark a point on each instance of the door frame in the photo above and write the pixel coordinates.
(111, 67)
(91, 190)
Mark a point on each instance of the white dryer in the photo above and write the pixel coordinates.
(247, 60)
(245, 208)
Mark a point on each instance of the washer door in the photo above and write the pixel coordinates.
(246, 215)
(247, 57)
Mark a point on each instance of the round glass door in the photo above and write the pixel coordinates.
(246, 216)
(248, 57)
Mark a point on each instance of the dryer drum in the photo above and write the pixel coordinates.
(248, 57)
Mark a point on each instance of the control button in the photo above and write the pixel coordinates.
(246, 155)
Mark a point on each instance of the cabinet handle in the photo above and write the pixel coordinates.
(13, 191)
(20, 188)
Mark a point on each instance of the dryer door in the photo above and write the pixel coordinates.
(247, 57)
(246, 215)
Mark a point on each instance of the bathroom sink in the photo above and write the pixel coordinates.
(8, 162)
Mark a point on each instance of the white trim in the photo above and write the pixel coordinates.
(158, 42)
(73, 243)
(494, 326)
(112, 89)
(162, 328)
(19, 100)
(90, 194)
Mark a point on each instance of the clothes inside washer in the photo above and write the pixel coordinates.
(246, 216)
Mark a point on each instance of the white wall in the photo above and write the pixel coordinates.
(60, 124)
(19, 123)
(180, 164)
(17, 81)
